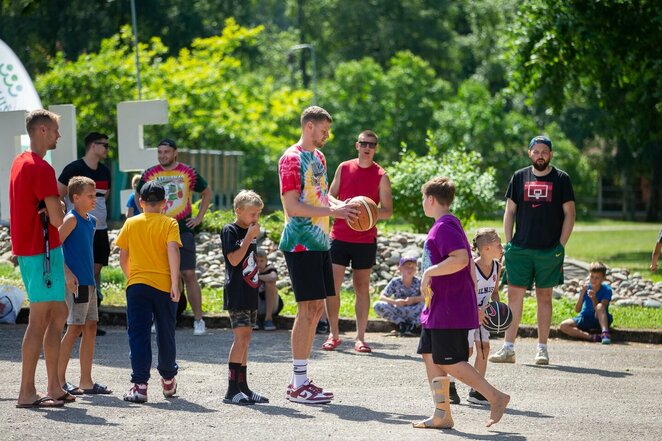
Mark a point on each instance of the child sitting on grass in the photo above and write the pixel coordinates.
(593, 308)
(401, 301)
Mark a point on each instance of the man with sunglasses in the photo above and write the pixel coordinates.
(91, 166)
(361, 176)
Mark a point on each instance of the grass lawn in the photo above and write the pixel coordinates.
(616, 243)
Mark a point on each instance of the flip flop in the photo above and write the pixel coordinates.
(360, 346)
(67, 398)
(331, 343)
(98, 389)
(71, 389)
(41, 403)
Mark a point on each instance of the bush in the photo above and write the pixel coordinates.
(475, 185)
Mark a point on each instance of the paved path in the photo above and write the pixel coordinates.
(610, 392)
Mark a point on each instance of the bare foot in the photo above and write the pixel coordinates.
(498, 408)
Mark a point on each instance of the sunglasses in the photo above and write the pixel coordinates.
(368, 144)
(104, 144)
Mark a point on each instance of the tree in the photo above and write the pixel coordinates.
(609, 54)
(474, 184)
(215, 101)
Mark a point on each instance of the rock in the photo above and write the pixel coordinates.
(557, 293)
(628, 302)
(650, 303)
(619, 276)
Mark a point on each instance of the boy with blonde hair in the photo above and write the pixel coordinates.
(77, 236)
(239, 241)
(149, 256)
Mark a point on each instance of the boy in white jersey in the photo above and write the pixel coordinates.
(487, 244)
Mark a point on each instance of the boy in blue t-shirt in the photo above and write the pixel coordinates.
(77, 236)
(593, 308)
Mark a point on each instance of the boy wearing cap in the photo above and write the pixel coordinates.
(180, 181)
(541, 202)
(401, 301)
(149, 256)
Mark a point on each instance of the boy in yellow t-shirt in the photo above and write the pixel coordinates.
(149, 256)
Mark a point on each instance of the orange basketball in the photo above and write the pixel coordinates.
(367, 213)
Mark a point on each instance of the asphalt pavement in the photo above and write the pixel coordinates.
(588, 391)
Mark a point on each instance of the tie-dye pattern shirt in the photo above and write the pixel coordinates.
(305, 172)
(179, 184)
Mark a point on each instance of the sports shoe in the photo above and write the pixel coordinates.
(269, 325)
(169, 387)
(503, 355)
(542, 357)
(308, 393)
(452, 394)
(476, 397)
(402, 328)
(322, 327)
(606, 338)
(596, 338)
(410, 330)
(199, 327)
(137, 394)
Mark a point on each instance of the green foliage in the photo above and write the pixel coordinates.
(215, 100)
(490, 125)
(214, 221)
(397, 103)
(474, 184)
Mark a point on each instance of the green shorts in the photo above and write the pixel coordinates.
(32, 273)
(524, 266)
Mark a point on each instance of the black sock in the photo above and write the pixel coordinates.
(243, 381)
(234, 370)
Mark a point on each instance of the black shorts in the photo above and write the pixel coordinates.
(447, 346)
(311, 274)
(101, 247)
(362, 255)
(187, 251)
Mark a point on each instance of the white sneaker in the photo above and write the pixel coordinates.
(542, 357)
(503, 355)
(199, 327)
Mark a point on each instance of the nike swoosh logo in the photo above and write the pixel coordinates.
(535, 205)
(558, 255)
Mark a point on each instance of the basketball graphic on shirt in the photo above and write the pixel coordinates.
(367, 217)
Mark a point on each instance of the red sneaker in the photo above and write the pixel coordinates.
(308, 393)
(169, 387)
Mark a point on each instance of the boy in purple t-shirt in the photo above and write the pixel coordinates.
(450, 308)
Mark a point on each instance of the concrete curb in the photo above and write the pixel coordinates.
(116, 316)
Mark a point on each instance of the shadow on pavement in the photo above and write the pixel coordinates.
(77, 415)
(359, 413)
(581, 370)
(271, 409)
(512, 436)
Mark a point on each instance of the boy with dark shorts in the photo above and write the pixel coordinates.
(149, 256)
(450, 308)
(77, 236)
(239, 242)
(269, 302)
(305, 242)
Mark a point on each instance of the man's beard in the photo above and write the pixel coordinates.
(540, 166)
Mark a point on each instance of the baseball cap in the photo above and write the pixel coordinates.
(169, 142)
(540, 139)
(152, 192)
(405, 259)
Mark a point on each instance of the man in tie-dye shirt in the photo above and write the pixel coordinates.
(180, 181)
(305, 242)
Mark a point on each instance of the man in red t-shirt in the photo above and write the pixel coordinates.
(357, 177)
(32, 181)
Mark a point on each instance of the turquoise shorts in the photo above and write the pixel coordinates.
(32, 272)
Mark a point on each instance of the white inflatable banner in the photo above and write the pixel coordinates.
(16, 89)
